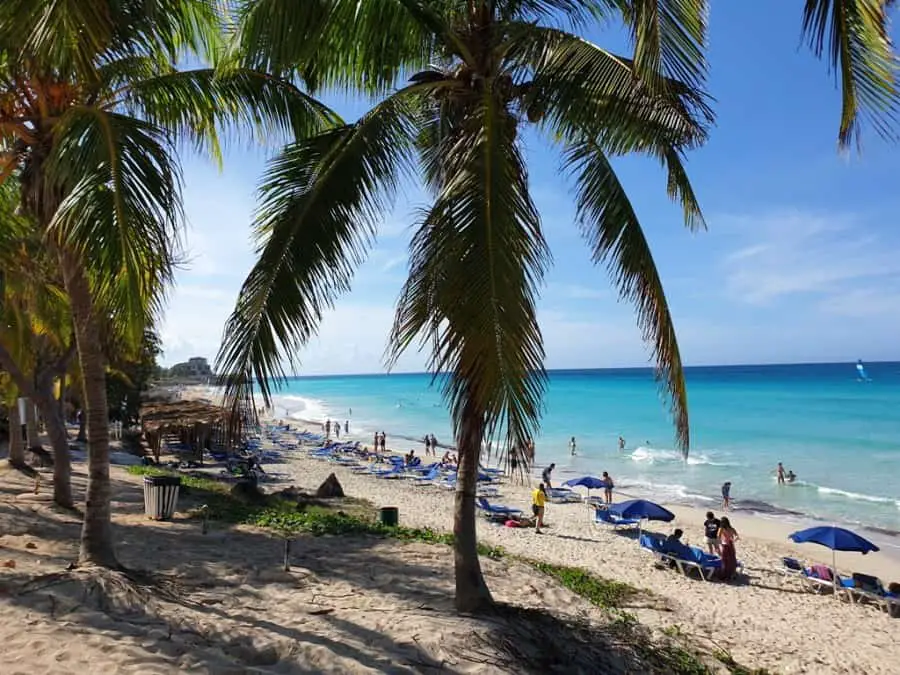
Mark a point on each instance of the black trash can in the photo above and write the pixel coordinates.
(390, 516)
(161, 496)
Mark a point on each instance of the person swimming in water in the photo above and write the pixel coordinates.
(791, 476)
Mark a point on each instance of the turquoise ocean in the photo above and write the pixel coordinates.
(840, 434)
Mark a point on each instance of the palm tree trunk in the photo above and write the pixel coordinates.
(472, 594)
(16, 444)
(61, 402)
(96, 532)
(59, 442)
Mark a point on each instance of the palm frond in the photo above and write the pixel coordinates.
(200, 105)
(584, 92)
(612, 229)
(476, 262)
(321, 200)
(669, 40)
(562, 12)
(121, 209)
(366, 46)
(854, 34)
(74, 37)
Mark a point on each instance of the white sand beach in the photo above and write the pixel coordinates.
(360, 606)
(763, 623)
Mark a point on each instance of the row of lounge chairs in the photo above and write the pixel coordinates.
(390, 467)
(857, 588)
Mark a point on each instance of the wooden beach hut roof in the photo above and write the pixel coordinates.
(159, 416)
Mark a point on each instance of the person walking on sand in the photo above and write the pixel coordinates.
(545, 476)
(727, 536)
(383, 441)
(608, 486)
(572, 446)
(779, 471)
(711, 532)
(538, 501)
(346, 427)
(427, 441)
(726, 495)
(434, 444)
(375, 442)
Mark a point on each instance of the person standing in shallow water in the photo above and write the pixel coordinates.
(572, 446)
(726, 495)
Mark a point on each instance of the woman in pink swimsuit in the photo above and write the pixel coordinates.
(727, 536)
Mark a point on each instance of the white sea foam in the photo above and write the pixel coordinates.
(664, 455)
(300, 407)
(856, 496)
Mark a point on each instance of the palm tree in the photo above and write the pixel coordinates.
(36, 343)
(486, 68)
(92, 113)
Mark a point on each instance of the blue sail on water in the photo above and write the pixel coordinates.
(861, 371)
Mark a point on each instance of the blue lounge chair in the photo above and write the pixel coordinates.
(604, 517)
(429, 478)
(496, 511)
(681, 557)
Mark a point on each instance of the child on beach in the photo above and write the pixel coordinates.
(726, 495)
(711, 531)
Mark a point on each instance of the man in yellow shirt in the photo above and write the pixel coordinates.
(538, 499)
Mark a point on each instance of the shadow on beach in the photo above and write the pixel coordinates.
(221, 602)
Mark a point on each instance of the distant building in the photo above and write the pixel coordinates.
(195, 367)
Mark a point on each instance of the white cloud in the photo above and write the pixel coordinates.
(864, 303)
(794, 253)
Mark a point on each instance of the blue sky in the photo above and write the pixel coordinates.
(801, 261)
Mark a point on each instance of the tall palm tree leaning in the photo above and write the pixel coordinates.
(92, 109)
(479, 252)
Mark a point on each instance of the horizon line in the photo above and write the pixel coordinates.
(608, 368)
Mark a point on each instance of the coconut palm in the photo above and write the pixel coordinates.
(483, 69)
(93, 111)
(37, 346)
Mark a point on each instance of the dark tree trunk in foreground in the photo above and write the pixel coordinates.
(472, 594)
(96, 532)
(16, 444)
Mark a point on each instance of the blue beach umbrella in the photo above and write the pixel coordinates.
(835, 538)
(642, 509)
(590, 482)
